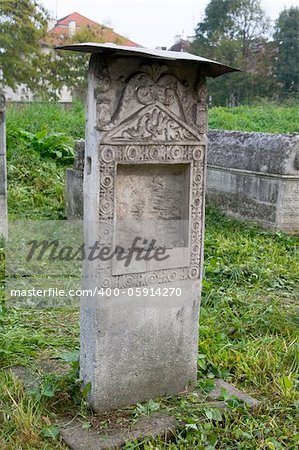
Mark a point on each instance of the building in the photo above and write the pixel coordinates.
(66, 28)
(60, 32)
(181, 45)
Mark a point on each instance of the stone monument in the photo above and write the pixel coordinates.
(3, 188)
(255, 177)
(144, 182)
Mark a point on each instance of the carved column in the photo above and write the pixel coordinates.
(144, 177)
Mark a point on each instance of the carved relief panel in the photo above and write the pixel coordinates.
(152, 164)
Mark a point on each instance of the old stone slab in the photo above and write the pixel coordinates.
(74, 184)
(255, 176)
(30, 379)
(3, 181)
(233, 391)
(121, 430)
(74, 194)
(161, 423)
(157, 424)
(255, 152)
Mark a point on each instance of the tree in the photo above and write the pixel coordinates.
(235, 32)
(61, 68)
(69, 69)
(22, 22)
(286, 60)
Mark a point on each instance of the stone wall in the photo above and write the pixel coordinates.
(3, 190)
(251, 176)
(255, 176)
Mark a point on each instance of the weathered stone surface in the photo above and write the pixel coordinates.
(233, 391)
(251, 176)
(3, 187)
(74, 194)
(144, 177)
(30, 380)
(79, 154)
(74, 184)
(255, 176)
(157, 424)
(255, 152)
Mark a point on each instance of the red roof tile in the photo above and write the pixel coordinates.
(78, 18)
(60, 33)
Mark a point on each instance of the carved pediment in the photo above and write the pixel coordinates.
(153, 123)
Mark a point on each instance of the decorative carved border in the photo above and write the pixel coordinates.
(158, 118)
(110, 156)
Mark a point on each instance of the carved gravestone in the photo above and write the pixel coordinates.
(144, 178)
(3, 189)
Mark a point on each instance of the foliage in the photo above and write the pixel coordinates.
(22, 25)
(248, 326)
(66, 68)
(266, 117)
(286, 61)
(48, 116)
(248, 334)
(23, 30)
(242, 21)
(53, 145)
(234, 32)
(36, 185)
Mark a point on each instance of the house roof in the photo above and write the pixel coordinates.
(60, 33)
(180, 46)
(213, 68)
(80, 20)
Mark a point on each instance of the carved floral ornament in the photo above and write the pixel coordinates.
(153, 93)
(110, 156)
(159, 119)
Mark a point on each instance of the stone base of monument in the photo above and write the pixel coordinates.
(121, 428)
(157, 424)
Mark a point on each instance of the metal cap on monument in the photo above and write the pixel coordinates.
(212, 68)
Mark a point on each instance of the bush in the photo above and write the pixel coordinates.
(52, 145)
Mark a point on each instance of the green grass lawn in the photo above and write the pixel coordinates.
(266, 118)
(248, 327)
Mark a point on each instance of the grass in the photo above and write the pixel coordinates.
(35, 182)
(267, 118)
(248, 327)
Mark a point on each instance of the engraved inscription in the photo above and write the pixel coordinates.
(159, 210)
(113, 157)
